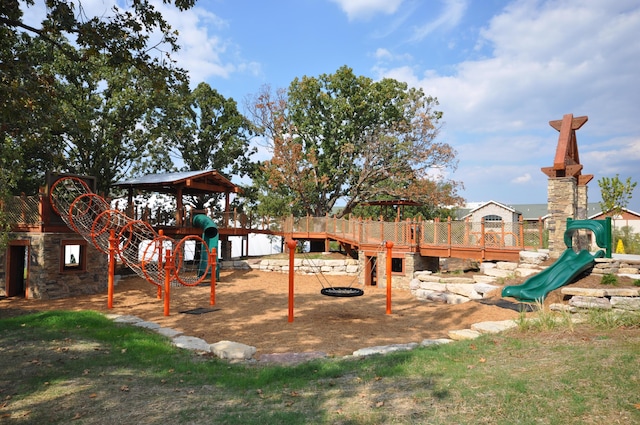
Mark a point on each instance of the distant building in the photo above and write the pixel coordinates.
(529, 212)
(627, 218)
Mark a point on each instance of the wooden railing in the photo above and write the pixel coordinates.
(412, 233)
(23, 211)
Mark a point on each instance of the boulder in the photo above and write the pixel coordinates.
(533, 257)
(384, 349)
(590, 302)
(191, 343)
(463, 334)
(626, 303)
(493, 327)
(232, 350)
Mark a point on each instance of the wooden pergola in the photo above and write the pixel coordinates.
(180, 184)
(400, 203)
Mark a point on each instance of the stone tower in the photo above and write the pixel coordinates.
(567, 187)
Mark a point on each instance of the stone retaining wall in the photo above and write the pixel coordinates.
(347, 267)
(616, 266)
(621, 299)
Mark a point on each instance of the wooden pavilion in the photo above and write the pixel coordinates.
(181, 184)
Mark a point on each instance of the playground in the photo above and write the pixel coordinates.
(254, 308)
(251, 308)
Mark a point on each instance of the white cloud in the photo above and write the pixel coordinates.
(616, 156)
(383, 55)
(547, 59)
(449, 18)
(205, 54)
(525, 178)
(365, 9)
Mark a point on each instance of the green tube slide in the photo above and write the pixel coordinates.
(210, 237)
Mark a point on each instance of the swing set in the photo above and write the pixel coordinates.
(327, 288)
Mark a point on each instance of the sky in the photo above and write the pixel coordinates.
(501, 71)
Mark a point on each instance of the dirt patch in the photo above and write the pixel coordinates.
(252, 308)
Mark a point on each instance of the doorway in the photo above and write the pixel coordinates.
(371, 270)
(16, 284)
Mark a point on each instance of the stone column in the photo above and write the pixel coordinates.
(582, 211)
(562, 198)
(582, 204)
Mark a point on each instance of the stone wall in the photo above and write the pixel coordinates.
(616, 266)
(308, 266)
(621, 299)
(424, 284)
(413, 262)
(46, 279)
(611, 298)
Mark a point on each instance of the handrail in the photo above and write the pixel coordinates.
(25, 210)
(413, 233)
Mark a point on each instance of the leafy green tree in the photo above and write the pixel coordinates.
(29, 117)
(124, 35)
(111, 118)
(342, 137)
(34, 89)
(206, 131)
(616, 194)
(630, 239)
(218, 135)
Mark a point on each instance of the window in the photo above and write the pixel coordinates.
(73, 256)
(492, 221)
(397, 265)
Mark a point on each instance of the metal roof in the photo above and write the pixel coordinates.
(201, 181)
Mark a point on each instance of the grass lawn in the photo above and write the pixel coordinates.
(81, 368)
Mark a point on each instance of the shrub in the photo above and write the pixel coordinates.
(609, 279)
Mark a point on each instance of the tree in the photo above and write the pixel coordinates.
(110, 119)
(615, 194)
(208, 132)
(136, 38)
(349, 138)
(218, 135)
(124, 35)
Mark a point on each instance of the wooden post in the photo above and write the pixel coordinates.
(482, 246)
(167, 282)
(449, 238)
(213, 262)
(540, 232)
(291, 244)
(112, 267)
(389, 245)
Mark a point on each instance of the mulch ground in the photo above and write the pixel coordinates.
(252, 308)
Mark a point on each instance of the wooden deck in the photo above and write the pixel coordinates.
(456, 239)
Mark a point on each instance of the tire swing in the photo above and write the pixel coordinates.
(335, 291)
(342, 291)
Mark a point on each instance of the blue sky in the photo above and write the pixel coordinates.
(500, 69)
